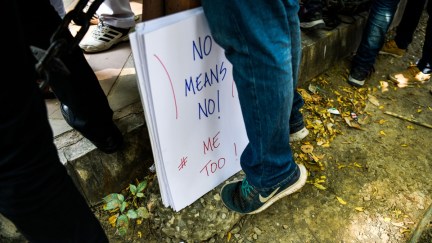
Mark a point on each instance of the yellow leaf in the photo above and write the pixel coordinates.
(387, 219)
(112, 220)
(357, 165)
(404, 145)
(319, 186)
(410, 127)
(382, 121)
(382, 133)
(360, 209)
(341, 166)
(139, 234)
(381, 107)
(229, 236)
(419, 110)
(341, 201)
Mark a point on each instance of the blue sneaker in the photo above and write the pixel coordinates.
(241, 197)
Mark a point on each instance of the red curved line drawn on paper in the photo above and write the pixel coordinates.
(172, 88)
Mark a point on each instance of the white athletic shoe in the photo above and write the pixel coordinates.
(103, 38)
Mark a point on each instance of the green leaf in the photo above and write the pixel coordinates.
(142, 186)
(113, 204)
(133, 189)
(132, 214)
(143, 213)
(110, 197)
(123, 206)
(140, 194)
(122, 224)
(120, 197)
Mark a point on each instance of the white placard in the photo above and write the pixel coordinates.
(190, 103)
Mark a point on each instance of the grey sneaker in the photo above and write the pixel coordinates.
(241, 197)
(104, 37)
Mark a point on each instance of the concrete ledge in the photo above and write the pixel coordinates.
(322, 49)
(97, 174)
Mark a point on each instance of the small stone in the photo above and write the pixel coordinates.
(257, 231)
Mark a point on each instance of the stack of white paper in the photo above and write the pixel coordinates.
(190, 105)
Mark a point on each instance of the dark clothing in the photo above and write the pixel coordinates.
(407, 26)
(36, 193)
(380, 17)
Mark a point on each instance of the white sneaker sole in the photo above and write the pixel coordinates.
(355, 82)
(289, 190)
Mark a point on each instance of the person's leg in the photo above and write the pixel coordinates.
(421, 72)
(84, 104)
(262, 41)
(116, 13)
(408, 24)
(380, 17)
(425, 62)
(116, 21)
(36, 193)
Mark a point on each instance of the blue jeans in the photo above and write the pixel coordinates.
(380, 17)
(262, 40)
(407, 26)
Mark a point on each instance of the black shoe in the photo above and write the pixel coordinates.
(357, 76)
(311, 20)
(106, 137)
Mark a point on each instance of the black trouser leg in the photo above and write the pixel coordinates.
(36, 192)
(87, 110)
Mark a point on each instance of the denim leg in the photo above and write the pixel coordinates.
(408, 24)
(380, 17)
(262, 41)
(425, 62)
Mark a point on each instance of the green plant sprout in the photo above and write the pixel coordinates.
(126, 209)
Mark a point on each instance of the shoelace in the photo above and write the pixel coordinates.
(245, 188)
(99, 29)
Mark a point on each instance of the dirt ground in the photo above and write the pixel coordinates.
(371, 177)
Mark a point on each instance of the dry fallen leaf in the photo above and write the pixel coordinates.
(112, 220)
(382, 121)
(319, 186)
(341, 201)
(372, 99)
(360, 209)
